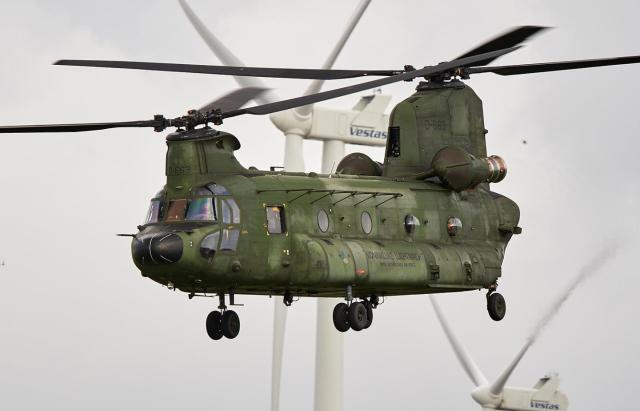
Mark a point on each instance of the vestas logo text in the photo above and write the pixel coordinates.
(543, 405)
(368, 132)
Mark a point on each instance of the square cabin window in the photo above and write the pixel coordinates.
(275, 220)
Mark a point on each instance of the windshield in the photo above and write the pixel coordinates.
(202, 209)
(154, 214)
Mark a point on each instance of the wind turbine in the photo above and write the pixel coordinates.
(366, 124)
(545, 394)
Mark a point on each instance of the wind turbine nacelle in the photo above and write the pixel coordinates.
(365, 125)
(544, 396)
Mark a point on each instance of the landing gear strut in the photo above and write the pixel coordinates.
(496, 306)
(356, 315)
(223, 322)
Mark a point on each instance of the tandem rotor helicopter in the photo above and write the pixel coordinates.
(423, 221)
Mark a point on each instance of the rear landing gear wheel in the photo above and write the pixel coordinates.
(341, 317)
(496, 306)
(214, 325)
(230, 324)
(358, 316)
(369, 308)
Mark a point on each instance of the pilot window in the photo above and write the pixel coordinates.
(153, 215)
(275, 220)
(202, 209)
(229, 240)
(209, 245)
(177, 209)
(156, 208)
(230, 211)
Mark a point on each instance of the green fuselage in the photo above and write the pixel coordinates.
(307, 234)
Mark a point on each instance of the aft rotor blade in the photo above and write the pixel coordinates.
(292, 73)
(70, 128)
(470, 367)
(326, 95)
(511, 38)
(235, 99)
(554, 66)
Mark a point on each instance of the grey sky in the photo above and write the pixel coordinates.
(81, 329)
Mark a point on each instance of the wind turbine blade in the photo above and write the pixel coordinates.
(226, 56)
(279, 322)
(316, 85)
(593, 267)
(465, 359)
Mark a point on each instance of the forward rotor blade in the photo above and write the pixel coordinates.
(226, 56)
(511, 38)
(316, 85)
(326, 95)
(554, 66)
(593, 267)
(463, 356)
(69, 128)
(235, 99)
(292, 73)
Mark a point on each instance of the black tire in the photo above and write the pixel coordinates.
(230, 324)
(496, 306)
(214, 325)
(357, 316)
(369, 308)
(341, 317)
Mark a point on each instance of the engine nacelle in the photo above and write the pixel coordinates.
(461, 170)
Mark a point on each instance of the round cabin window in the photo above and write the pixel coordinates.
(410, 223)
(454, 226)
(365, 221)
(323, 221)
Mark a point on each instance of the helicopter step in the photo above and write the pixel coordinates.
(223, 322)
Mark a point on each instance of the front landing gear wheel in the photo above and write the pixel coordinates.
(230, 324)
(341, 317)
(214, 325)
(358, 316)
(496, 306)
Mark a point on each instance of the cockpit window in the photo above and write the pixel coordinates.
(229, 240)
(202, 209)
(230, 211)
(153, 215)
(209, 245)
(218, 190)
(177, 209)
(155, 208)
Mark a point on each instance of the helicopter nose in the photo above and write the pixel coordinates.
(165, 248)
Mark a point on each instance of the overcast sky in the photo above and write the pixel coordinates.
(81, 329)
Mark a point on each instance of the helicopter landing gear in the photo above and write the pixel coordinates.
(355, 315)
(358, 316)
(496, 305)
(341, 317)
(223, 323)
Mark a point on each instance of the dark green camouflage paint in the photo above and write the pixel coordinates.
(307, 261)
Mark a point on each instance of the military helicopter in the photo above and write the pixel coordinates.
(423, 221)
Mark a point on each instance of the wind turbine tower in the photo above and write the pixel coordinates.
(366, 124)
